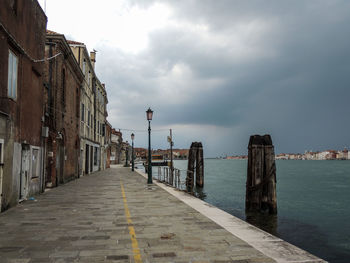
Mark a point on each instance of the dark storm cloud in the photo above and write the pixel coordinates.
(251, 66)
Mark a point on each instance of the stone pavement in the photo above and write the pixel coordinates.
(113, 216)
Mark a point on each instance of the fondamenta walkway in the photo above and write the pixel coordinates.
(114, 216)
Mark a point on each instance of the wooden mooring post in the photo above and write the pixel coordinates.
(261, 176)
(195, 160)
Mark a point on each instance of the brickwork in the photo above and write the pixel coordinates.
(22, 40)
(26, 108)
(63, 80)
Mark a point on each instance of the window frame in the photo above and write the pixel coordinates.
(12, 83)
(95, 156)
(82, 112)
(89, 78)
(89, 118)
(84, 66)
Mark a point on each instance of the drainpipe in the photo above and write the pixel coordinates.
(43, 172)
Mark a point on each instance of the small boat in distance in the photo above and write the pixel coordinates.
(158, 160)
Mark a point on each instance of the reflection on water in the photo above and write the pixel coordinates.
(198, 192)
(264, 221)
(312, 215)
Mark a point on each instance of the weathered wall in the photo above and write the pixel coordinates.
(13, 186)
(6, 128)
(71, 121)
(63, 118)
(94, 98)
(86, 98)
(26, 24)
(22, 30)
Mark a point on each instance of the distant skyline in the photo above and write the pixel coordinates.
(220, 71)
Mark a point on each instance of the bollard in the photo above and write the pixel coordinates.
(195, 159)
(199, 165)
(261, 175)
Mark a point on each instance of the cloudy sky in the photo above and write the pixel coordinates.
(219, 71)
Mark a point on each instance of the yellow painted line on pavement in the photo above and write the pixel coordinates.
(134, 244)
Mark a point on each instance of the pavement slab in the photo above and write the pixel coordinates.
(114, 216)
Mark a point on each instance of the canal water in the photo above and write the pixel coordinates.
(313, 200)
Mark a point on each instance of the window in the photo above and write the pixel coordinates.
(89, 118)
(82, 112)
(98, 127)
(95, 155)
(63, 87)
(89, 78)
(84, 66)
(12, 75)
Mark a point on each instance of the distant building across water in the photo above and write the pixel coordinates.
(308, 155)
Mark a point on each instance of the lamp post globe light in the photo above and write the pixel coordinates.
(149, 113)
(132, 152)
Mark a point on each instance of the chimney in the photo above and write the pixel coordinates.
(93, 58)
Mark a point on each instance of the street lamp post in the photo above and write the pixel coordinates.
(132, 152)
(149, 118)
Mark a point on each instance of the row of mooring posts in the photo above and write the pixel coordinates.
(261, 173)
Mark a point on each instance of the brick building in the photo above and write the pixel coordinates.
(63, 80)
(22, 44)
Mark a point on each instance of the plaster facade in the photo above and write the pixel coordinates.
(93, 101)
